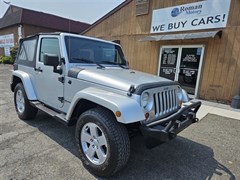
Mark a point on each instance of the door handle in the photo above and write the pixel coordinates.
(38, 69)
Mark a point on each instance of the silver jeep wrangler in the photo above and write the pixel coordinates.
(86, 81)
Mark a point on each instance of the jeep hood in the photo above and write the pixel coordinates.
(117, 78)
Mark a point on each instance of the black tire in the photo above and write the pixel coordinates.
(117, 140)
(25, 111)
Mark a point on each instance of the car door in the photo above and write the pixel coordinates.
(48, 87)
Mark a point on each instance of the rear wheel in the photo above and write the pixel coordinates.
(24, 110)
(103, 143)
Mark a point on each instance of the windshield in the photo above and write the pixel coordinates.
(82, 50)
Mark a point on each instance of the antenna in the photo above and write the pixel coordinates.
(69, 26)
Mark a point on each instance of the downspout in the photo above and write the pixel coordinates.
(19, 32)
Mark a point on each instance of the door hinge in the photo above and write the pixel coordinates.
(61, 99)
(61, 79)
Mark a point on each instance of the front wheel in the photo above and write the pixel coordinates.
(103, 143)
(24, 110)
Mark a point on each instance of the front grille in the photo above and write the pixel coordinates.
(165, 102)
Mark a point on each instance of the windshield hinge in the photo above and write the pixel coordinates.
(61, 79)
(61, 99)
(131, 90)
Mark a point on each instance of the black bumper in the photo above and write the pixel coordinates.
(166, 129)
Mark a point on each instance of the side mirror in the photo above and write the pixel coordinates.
(52, 60)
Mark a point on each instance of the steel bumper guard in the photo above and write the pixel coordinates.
(163, 130)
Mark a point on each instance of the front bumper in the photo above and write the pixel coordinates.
(163, 130)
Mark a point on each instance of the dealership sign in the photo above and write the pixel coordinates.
(201, 15)
(7, 40)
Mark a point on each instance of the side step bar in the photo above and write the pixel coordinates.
(58, 116)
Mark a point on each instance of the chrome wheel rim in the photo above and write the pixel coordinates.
(94, 143)
(20, 102)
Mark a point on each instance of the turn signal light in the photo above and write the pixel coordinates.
(146, 116)
(118, 114)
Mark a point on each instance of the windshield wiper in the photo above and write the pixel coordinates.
(88, 61)
(114, 63)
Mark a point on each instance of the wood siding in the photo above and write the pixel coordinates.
(220, 76)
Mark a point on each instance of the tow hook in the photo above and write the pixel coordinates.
(195, 120)
(192, 116)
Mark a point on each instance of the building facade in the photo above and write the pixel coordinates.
(19, 22)
(193, 42)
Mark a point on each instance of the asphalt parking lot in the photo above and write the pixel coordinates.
(45, 149)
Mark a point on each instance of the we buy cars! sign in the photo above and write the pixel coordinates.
(195, 16)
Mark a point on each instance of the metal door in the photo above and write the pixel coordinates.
(48, 87)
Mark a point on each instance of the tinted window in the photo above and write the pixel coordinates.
(49, 46)
(191, 57)
(169, 58)
(27, 50)
(82, 50)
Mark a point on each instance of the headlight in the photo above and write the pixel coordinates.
(182, 95)
(146, 101)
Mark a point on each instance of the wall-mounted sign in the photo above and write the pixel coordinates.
(7, 40)
(7, 51)
(142, 7)
(194, 16)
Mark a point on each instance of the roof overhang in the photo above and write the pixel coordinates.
(198, 35)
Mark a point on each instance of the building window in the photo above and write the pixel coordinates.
(142, 7)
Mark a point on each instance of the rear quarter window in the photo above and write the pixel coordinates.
(27, 52)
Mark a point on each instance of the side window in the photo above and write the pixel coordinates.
(22, 54)
(49, 46)
(27, 50)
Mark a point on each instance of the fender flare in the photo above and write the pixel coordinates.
(26, 80)
(130, 109)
